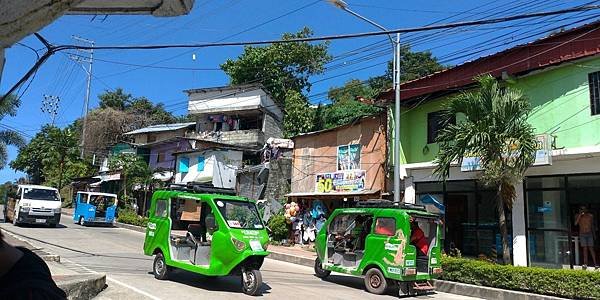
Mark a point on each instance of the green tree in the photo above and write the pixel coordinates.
(9, 137)
(280, 67)
(299, 116)
(117, 99)
(341, 113)
(52, 157)
(492, 126)
(131, 165)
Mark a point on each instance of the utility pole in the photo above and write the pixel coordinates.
(50, 106)
(396, 83)
(86, 103)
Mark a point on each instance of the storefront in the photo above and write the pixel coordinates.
(552, 206)
(470, 216)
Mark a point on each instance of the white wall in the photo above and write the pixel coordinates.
(230, 100)
(219, 167)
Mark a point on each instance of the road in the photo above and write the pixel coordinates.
(118, 253)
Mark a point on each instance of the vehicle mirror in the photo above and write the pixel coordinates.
(210, 223)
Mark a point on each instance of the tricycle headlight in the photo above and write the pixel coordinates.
(239, 245)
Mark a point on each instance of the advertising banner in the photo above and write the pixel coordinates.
(340, 182)
(348, 157)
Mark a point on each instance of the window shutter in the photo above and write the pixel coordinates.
(200, 163)
(184, 164)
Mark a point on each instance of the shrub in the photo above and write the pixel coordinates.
(128, 216)
(278, 226)
(576, 284)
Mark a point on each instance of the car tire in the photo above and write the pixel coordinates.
(319, 271)
(375, 281)
(252, 285)
(159, 268)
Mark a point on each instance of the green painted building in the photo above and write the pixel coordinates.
(560, 74)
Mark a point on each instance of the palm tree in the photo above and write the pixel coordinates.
(8, 136)
(493, 127)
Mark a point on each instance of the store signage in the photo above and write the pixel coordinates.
(348, 157)
(543, 155)
(341, 181)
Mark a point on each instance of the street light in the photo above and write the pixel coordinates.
(396, 78)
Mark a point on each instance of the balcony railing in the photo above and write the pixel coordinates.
(251, 137)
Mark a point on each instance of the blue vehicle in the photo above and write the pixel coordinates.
(95, 208)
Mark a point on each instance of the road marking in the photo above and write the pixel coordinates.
(115, 281)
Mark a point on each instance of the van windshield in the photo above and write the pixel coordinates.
(40, 194)
(240, 214)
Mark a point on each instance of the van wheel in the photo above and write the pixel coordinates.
(251, 282)
(160, 269)
(375, 282)
(52, 225)
(319, 271)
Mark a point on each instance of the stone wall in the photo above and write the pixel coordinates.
(280, 174)
(272, 127)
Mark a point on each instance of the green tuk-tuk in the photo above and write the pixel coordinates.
(387, 244)
(208, 231)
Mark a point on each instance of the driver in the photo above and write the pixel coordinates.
(417, 238)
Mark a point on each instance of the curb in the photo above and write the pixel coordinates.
(484, 292)
(81, 287)
(118, 224)
(45, 256)
(303, 261)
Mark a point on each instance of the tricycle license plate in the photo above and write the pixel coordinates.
(40, 220)
(256, 246)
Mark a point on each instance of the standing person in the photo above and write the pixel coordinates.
(25, 276)
(585, 221)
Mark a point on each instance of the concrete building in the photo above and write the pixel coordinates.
(560, 75)
(237, 115)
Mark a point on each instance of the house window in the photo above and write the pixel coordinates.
(200, 163)
(436, 122)
(184, 165)
(594, 85)
(161, 156)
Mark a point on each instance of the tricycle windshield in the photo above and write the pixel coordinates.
(40, 194)
(239, 214)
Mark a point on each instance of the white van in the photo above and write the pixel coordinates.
(34, 204)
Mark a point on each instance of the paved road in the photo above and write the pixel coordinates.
(118, 253)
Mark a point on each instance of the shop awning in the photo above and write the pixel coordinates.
(311, 194)
(163, 176)
(105, 178)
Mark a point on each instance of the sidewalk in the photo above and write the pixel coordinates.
(296, 254)
(76, 286)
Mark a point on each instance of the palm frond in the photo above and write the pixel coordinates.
(12, 138)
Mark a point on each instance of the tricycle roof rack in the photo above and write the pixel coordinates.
(382, 203)
(195, 187)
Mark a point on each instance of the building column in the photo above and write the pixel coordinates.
(519, 230)
(409, 190)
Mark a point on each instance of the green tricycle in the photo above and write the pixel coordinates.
(387, 244)
(208, 231)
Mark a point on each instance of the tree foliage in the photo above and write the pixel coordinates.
(280, 67)
(299, 116)
(52, 157)
(495, 129)
(9, 137)
(133, 169)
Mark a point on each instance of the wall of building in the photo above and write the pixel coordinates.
(142, 138)
(317, 153)
(272, 127)
(167, 150)
(219, 167)
(228, 100)
(561, 107)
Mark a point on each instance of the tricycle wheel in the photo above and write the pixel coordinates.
(375, 282)
(251, 282)
(160, 269)
(319, 271)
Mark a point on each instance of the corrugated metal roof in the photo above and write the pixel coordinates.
(161, 127)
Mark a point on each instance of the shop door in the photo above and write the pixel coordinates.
(457, 229)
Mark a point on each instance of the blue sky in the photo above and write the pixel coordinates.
(238, 20)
